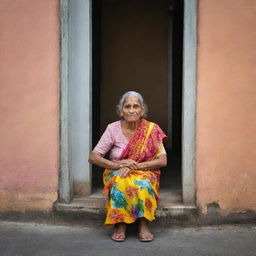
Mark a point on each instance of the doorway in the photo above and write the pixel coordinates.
(82, 111)
(138, 45)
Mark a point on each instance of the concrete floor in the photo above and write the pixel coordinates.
(28, 239)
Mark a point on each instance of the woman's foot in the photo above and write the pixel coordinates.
(119, 234)
(144, 233)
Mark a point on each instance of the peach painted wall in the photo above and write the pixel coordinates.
(226, 105)
(29, 96)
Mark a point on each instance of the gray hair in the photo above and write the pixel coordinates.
(135, 95)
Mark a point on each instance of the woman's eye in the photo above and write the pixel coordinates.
(129, 106)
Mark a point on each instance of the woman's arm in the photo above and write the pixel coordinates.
(96, 158)
(159, 162)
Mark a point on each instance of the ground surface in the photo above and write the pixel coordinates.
(31, 239)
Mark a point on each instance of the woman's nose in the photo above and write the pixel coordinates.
(131, 110)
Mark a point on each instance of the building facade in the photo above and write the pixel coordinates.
(48, 57)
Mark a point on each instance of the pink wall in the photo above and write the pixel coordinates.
(226, 105)
(29, 96)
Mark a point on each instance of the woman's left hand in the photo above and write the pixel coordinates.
(132, 164)
(124, 172)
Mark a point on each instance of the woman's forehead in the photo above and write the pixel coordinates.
(131, 100)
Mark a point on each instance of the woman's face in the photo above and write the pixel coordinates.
(132, 110)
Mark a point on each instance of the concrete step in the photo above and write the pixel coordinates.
(97, 205)
(93, 208)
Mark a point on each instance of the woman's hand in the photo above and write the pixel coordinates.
(159, 162)
(124, 172)
(132, 164)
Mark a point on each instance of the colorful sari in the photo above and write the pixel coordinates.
(135, 196)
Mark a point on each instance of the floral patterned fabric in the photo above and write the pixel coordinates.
(136, 195)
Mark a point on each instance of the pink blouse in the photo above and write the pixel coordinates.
(113, 140)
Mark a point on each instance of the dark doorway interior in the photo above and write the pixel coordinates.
(132, 42)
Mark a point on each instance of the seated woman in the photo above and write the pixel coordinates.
(131, 178)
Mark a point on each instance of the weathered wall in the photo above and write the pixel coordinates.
(226, 104)
(29, 97)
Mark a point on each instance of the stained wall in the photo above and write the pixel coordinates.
(29, 103)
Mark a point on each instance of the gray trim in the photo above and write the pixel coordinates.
(75, 98)
(65, 184)
(80, 84)
(189, 101)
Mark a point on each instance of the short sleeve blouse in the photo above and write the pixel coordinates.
(114, 142)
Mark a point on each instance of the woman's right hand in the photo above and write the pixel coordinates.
(130, 163)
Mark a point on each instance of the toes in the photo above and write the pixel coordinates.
(118, 236)
(146, 237)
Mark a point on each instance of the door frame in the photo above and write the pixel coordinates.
(76, 121)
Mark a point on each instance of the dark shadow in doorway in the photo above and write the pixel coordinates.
(171, 175)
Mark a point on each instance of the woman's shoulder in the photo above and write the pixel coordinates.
(114, 126)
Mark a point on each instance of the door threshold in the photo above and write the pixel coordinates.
(170, 204)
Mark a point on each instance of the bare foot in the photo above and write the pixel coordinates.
(119, 233)
(144, 233)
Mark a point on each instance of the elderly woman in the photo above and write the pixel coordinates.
(131, 178)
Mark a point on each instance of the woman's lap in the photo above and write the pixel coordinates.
(131, 197)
